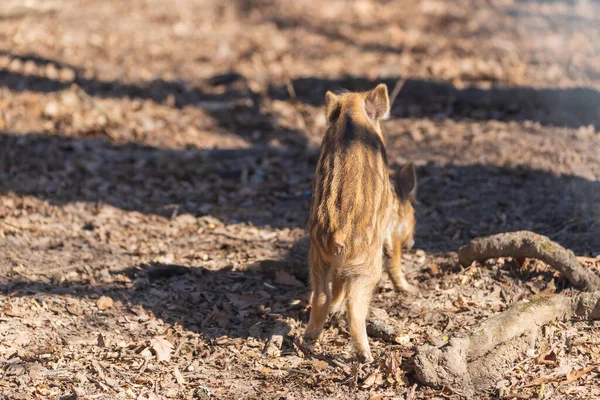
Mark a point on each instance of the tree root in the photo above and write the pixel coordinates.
(471, 364)
(525, 244)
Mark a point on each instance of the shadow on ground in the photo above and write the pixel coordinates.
(238, 108)
(572, 107)
(214, 303)
(250, 302)
(225, 97)
(158, 181)
(269, 186)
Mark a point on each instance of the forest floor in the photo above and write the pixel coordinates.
(156, 162)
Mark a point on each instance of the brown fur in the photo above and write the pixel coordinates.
(355, 211)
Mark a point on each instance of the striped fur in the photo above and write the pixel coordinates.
(355, 211)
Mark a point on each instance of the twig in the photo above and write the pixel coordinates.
(292, 93)
(104, 386)
(13, 226)
(226, 234)
(399, 85)
(297, 371)
(566, 227)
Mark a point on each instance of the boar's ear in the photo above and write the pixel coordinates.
(332, 107)
(377, 102)
(406, 181)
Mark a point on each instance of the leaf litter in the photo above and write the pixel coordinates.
(142, 181)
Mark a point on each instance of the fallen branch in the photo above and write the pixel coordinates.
(382, 326)
(397, 87)
(525, 244)
(382, 330)
(244, 238)
(379, 325)
(473, 363)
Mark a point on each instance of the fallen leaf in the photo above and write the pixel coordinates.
(79, 392)
(241, 301)
(162, 348)
(379, 313)
(576, 374)
(7, 352)
(588, 259)
(80, 377)
(555, 375)
(549, 358)
(36, 371)
(111, 382)
(319, 365)
(101, 342)
(105, 302)
(178, 376)
(12, 311)
(146, 353)
(434, 269)
(73, 309)
(99, 369)
(285, 278)
(373, 379)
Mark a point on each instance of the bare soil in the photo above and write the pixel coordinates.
(156, 162)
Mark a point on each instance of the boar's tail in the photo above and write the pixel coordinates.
(338, 248)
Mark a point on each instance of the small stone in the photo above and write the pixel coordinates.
(51, 110)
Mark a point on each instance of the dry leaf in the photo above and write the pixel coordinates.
(319, 365)
(36, 371)
(162, 348)
(241, 301)
(79, 392)
(285, 278)
(374, 379)
(549, 358)
(73, 309)
(11, 310)
(379, 313)
(7, 352)
(576, 374)
(101, 342)
(434, 269)
(555, 375)
(99, 369)
(178, 376)
(105, 302)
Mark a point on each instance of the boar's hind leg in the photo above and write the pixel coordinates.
(395, 270)
(321, 297)
(359, 289)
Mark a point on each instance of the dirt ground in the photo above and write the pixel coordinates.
(156, 161)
